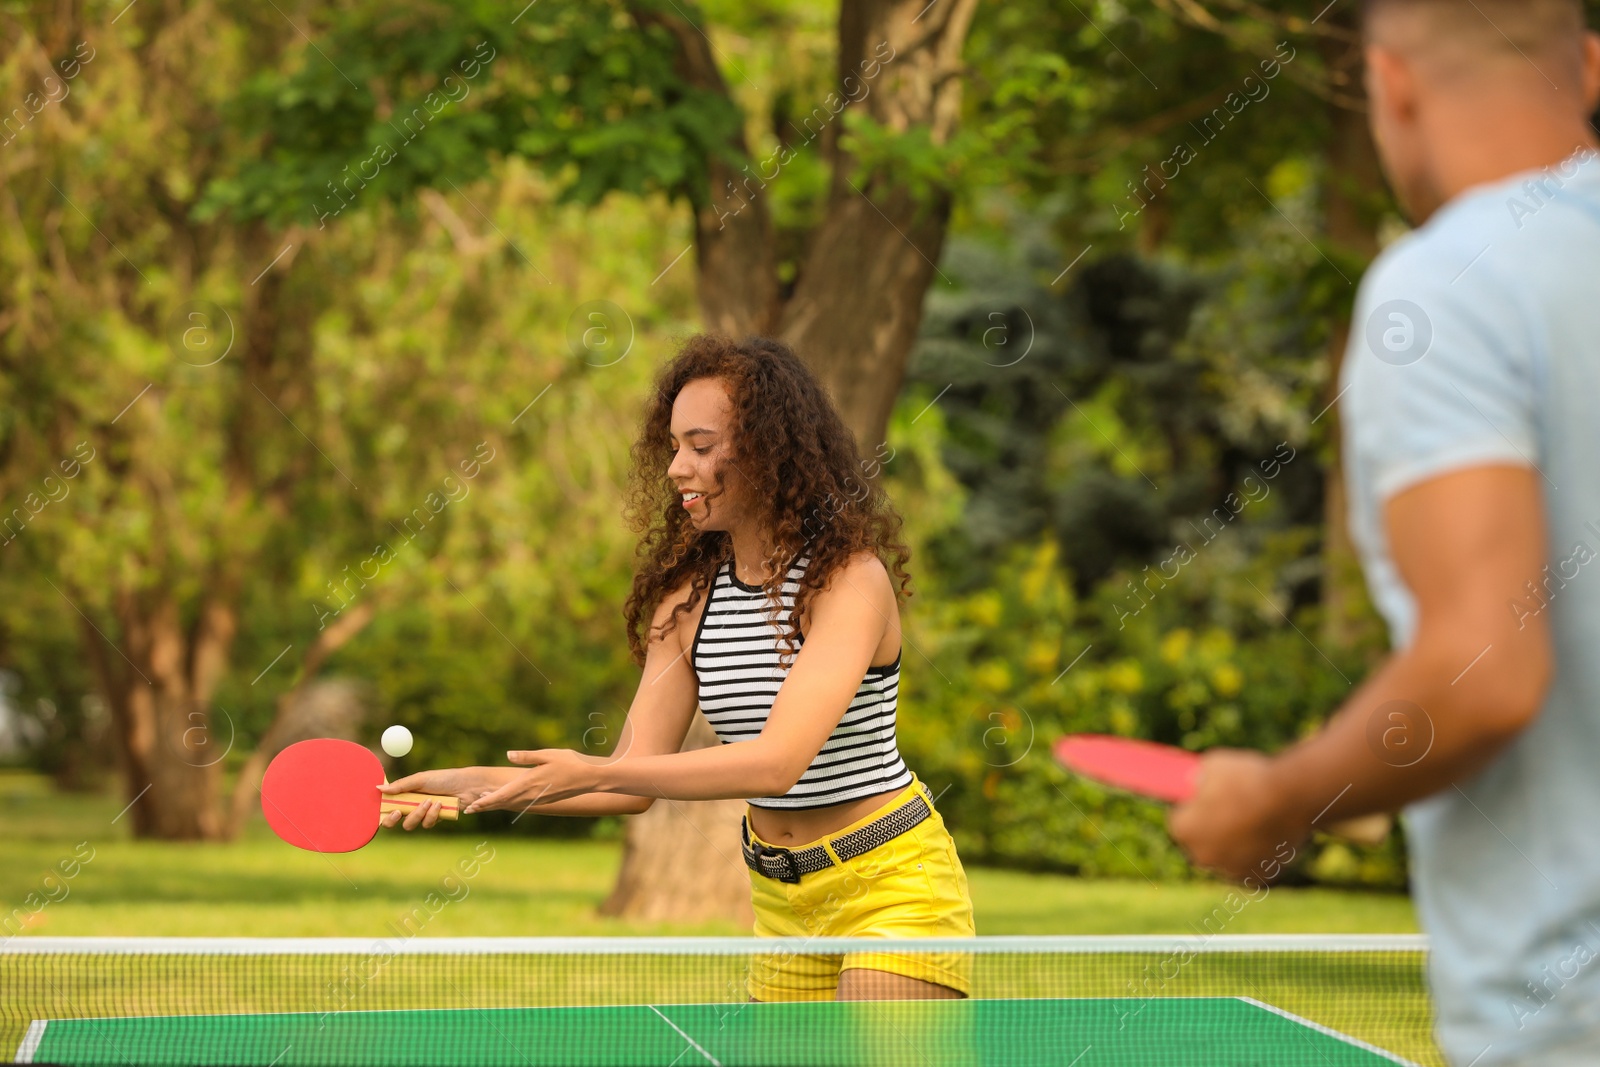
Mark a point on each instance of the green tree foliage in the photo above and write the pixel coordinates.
(396, 99)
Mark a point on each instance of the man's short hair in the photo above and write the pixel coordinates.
(1486, 28)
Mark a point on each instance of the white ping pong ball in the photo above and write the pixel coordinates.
(397, 741)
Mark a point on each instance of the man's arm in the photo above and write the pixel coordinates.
(1466, 545)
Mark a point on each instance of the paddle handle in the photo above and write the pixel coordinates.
(1365, 830)
(405, 803)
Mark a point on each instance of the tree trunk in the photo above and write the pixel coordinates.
(737, 278)
(1352, 201)
(681, 861)
(857, 308)
(857, 303)
(159, 686)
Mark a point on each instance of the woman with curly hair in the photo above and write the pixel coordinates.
(763, 598)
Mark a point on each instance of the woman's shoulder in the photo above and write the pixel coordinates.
(863, 562)
(861, 571)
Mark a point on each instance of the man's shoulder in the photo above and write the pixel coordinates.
(1442, 257)
(1494, 240)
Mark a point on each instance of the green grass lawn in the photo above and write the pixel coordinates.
(532, 887)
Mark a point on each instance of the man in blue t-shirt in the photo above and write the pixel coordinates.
(1471, 410)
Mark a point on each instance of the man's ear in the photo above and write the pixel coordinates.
(1391, 85)
(1591, 71)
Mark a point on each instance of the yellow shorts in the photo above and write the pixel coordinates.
(909, 886)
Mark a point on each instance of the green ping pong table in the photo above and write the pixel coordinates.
(1080, 1032)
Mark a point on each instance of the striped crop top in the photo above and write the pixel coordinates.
(736, 658)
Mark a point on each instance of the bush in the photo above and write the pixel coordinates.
(1010, 669)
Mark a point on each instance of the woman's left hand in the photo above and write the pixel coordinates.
(554, 774)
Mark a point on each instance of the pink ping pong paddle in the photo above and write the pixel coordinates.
(1144, 768)
(322, 796)
(1168, 774)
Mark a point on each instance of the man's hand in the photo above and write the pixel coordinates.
(1238, 822)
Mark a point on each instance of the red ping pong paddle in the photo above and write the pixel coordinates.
(1144, 768)
(322, 796)
(1168, 774)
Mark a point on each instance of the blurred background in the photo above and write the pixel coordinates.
(325, 330)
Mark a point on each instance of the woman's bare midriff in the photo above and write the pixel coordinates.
(777, 827)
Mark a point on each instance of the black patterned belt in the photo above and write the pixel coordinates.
(788, 864)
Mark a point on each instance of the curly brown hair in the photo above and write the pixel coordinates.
(816, 497)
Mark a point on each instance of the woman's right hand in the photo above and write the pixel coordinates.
(466, 784)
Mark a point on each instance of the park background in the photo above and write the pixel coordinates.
(325, 330)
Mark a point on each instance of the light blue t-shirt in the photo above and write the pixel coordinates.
(1476, 340)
